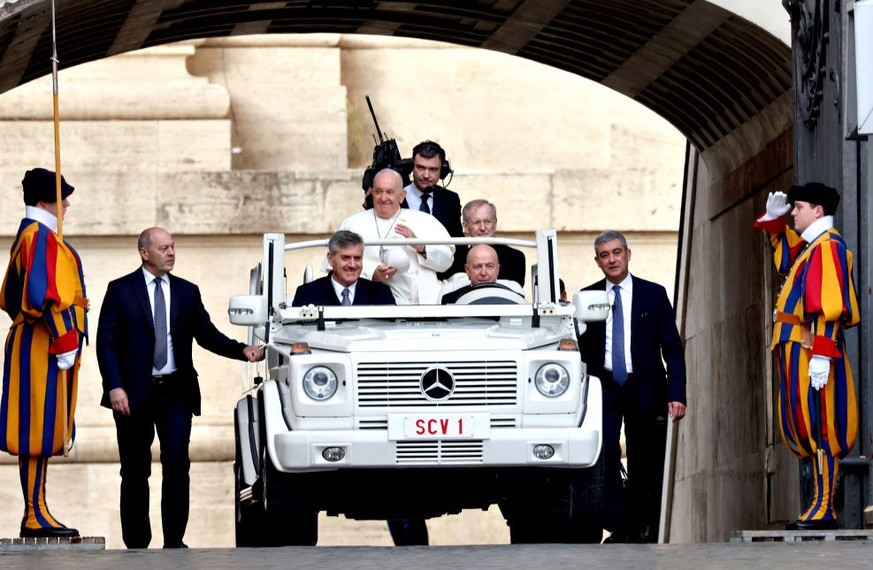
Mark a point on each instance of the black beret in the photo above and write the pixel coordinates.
(815, 193)
(39, 186)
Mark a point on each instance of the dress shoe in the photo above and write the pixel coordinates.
(179, 545)
(49, 532)
(812, 525)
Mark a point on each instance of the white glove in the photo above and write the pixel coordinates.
(67, 359)
(819, 369)
(777, 206)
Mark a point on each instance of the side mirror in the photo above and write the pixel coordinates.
(247, 310)
(591, 306)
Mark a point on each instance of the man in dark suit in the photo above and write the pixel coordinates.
(344, 285)
(480, 220)
(627, 352)
(482, 269)
(429, 165)
(148, 322)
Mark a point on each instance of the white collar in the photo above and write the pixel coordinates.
(418, 193)
(626, 284)
(149, 276)
(338, 287)
(44, 217)
(817, 228)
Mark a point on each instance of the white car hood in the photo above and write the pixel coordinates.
(418, 336)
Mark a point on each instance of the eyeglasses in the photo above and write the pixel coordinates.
(484, 223)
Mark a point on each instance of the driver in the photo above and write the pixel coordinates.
(482, 267)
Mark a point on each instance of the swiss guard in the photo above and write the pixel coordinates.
(44, 295)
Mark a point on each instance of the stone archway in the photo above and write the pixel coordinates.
(723, 82)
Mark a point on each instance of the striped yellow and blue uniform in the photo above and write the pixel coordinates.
(44, 294)
(816, 303)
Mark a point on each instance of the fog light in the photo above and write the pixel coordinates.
(543, 451)
(333, 454)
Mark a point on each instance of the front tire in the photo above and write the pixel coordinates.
(568, 508)
(290, 516)
(248, 512)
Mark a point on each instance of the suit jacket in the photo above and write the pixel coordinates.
(126, 338)
(512, 263)
(446, 207)
(653, 336)
(321, 292)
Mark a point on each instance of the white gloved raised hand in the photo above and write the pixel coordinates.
(819, 369)
(777, 206)
(67, 359)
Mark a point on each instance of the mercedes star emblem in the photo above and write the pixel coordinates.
(437, 384)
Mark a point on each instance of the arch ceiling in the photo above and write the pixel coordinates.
(703, 68)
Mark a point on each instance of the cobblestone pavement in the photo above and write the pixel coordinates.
(845, 555)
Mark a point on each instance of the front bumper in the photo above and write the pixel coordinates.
(302, 450)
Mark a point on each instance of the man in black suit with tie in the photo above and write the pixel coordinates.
(148, 322)
(480, 220)
(627, 352)
(344, 285)
(429, 166)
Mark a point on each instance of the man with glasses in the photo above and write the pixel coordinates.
(480, 220)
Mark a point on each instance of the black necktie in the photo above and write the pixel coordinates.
(160, 359)
(424, 207)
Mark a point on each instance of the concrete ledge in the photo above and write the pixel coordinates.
(78, 543)
(799, 535)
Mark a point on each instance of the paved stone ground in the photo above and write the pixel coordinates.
(85, 496)
(844, 555)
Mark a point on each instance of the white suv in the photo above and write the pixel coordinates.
(415, 411)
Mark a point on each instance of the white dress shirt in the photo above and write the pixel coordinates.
(338, 289)
(413, 198)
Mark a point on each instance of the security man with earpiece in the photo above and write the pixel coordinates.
(429, 166)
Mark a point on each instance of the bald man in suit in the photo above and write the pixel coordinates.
(148, 324)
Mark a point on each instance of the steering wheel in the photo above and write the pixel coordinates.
(490, 294)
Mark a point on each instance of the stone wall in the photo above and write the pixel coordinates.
(222, 140)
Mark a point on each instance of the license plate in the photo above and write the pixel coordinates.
(442, 426)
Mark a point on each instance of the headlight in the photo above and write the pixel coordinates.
(552, 380)
(320, 383)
